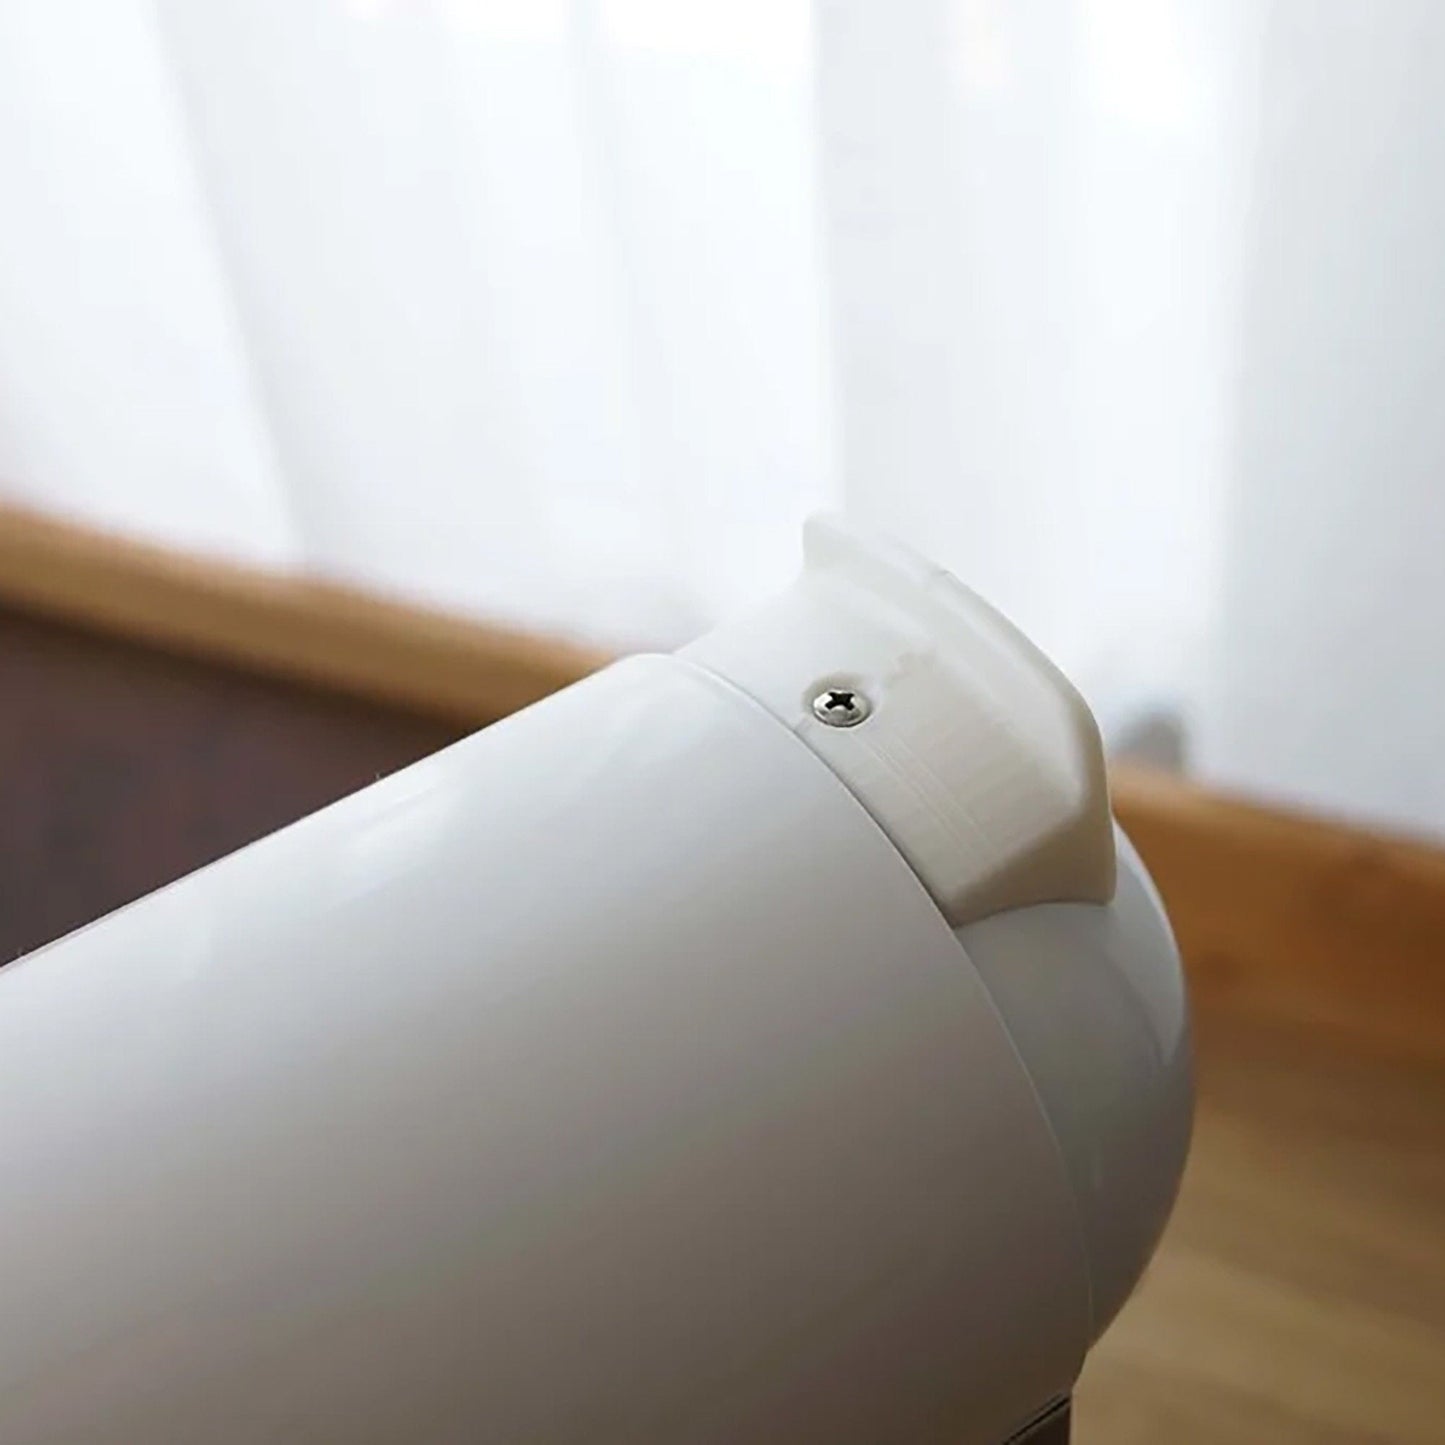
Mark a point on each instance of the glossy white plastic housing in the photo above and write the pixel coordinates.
(1093, 999)
(610, 1076)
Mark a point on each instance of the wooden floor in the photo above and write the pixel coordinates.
(1300, 1291)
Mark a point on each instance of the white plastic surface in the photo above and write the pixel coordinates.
(1093, 998)
(978, 758)
(608, 1077)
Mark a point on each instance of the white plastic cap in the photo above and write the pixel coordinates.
(977, 757)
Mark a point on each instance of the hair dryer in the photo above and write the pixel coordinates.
(771, 1042)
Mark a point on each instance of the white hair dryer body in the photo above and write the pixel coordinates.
(773, 1042)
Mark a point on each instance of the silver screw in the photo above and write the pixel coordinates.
(841, 707)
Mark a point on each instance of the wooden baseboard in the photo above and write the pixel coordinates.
(1297, 919)
(1278, 915)
(314, 632)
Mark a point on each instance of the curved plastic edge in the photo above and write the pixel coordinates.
(1094, 1000)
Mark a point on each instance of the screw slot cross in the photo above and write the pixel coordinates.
(840, 707)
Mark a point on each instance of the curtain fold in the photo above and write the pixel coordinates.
(125, 392)
(510, 306)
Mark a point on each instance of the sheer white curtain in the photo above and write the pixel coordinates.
(1140, 325)
(508, 303)
(1033, 216)
(566, 311)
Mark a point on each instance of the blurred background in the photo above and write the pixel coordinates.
(370, 368)
(564, 312)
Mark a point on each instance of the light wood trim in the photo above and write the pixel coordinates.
(1278, 915)
(1297, 919)
(316, 632)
